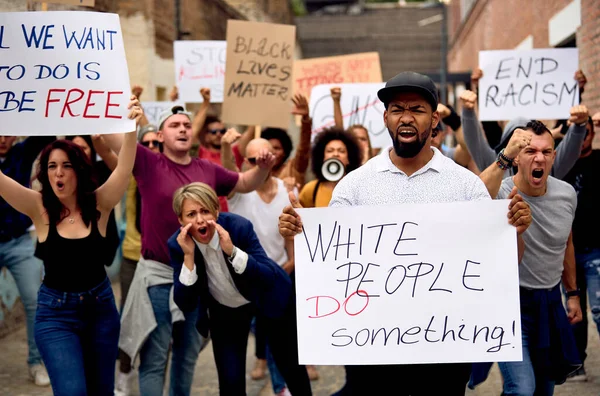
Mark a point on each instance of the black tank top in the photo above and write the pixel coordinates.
(73, 265)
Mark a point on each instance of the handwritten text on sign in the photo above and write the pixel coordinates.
(360, 105)
(538, 84)
(355, 68)
(408, 284)
(258, 78)
(200, 64)
(63, 73)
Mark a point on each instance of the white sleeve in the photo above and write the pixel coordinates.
(187, 277)
(240, 261)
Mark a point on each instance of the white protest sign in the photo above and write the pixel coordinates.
(360, 105)
(435, 283)
(153, 110)
(63, 73)
(200, 64)
(536, 84)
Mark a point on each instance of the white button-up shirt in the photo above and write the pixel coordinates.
(380, 182)
(220, 282)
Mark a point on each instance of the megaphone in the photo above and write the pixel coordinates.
(333, 169)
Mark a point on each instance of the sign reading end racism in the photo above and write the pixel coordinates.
(434, 283)
(258, 76)
(63, 73)
(535, 84)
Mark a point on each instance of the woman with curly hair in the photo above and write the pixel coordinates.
(331, 143)
(76, 323)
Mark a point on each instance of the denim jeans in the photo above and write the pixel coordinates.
(17, 256)
(277, 380)
(588, 279)
(187, 344)
(520, 378)
(78, 334)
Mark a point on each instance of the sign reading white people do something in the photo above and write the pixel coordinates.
(435, 283)
(536, 84)
(63, 72)
(359, 104)
(200, 64)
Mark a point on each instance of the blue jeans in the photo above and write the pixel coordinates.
(588, 279)
(276, 378)
(78, 334)
(17, 256)
(187, 344)
(520, 378)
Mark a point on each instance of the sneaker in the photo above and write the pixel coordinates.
(124, 383)
(260, 369)
(578, 376)
(39, 375)
(284, 392)
(313, 374)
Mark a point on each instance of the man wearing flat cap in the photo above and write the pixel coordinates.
(410, 172)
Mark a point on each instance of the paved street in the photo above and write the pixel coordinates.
(14, 379)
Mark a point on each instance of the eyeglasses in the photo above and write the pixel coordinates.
(252, 160)
(155, 143)
(215, 131)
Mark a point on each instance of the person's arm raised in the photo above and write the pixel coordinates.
(338, 117)
(110, 193)
(200, 117)
(253, 178)
(108, 156)
(22, 199)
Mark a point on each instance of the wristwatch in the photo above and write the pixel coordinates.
(573, 293)
(233, 252)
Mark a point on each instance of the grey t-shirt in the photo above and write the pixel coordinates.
(546, 238)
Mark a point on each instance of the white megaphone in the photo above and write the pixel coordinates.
(333, 169)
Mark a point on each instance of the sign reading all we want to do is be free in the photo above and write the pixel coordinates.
(418, 283)
(63, 73)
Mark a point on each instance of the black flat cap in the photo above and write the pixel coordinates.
(410, 82)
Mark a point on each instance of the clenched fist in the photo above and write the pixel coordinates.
(468, 99)
(518, 141)
(579, 114)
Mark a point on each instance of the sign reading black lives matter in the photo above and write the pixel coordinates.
(537, 84)
(258, 74)
(408, 284)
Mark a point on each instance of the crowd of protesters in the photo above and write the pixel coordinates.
(208, 255)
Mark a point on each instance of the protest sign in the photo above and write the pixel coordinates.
(88, 3)
(360, 105)
(258, 77)
(536, 84)
(152, 110)
(355, 68)
(63, 73)
(200, 64)
(419, 283)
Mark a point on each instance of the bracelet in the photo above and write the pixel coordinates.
(232, 254)
(502, 165)
(452, 120)
(573, 293)
(505, 158)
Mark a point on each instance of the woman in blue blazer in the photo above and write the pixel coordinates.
(221, 269)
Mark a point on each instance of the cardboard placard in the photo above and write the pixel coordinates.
(360, 105)
(63, 73)
(355, 68)
(404, 284)
(258, 77)
(536, 84)
(200, 64)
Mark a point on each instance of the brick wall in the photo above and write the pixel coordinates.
(276, 11)
(588, 41)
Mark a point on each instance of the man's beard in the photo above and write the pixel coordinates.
(409, 150)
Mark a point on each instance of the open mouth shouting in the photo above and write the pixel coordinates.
(406, 133)
(537, 174)
(60, 186)
(203, 231)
